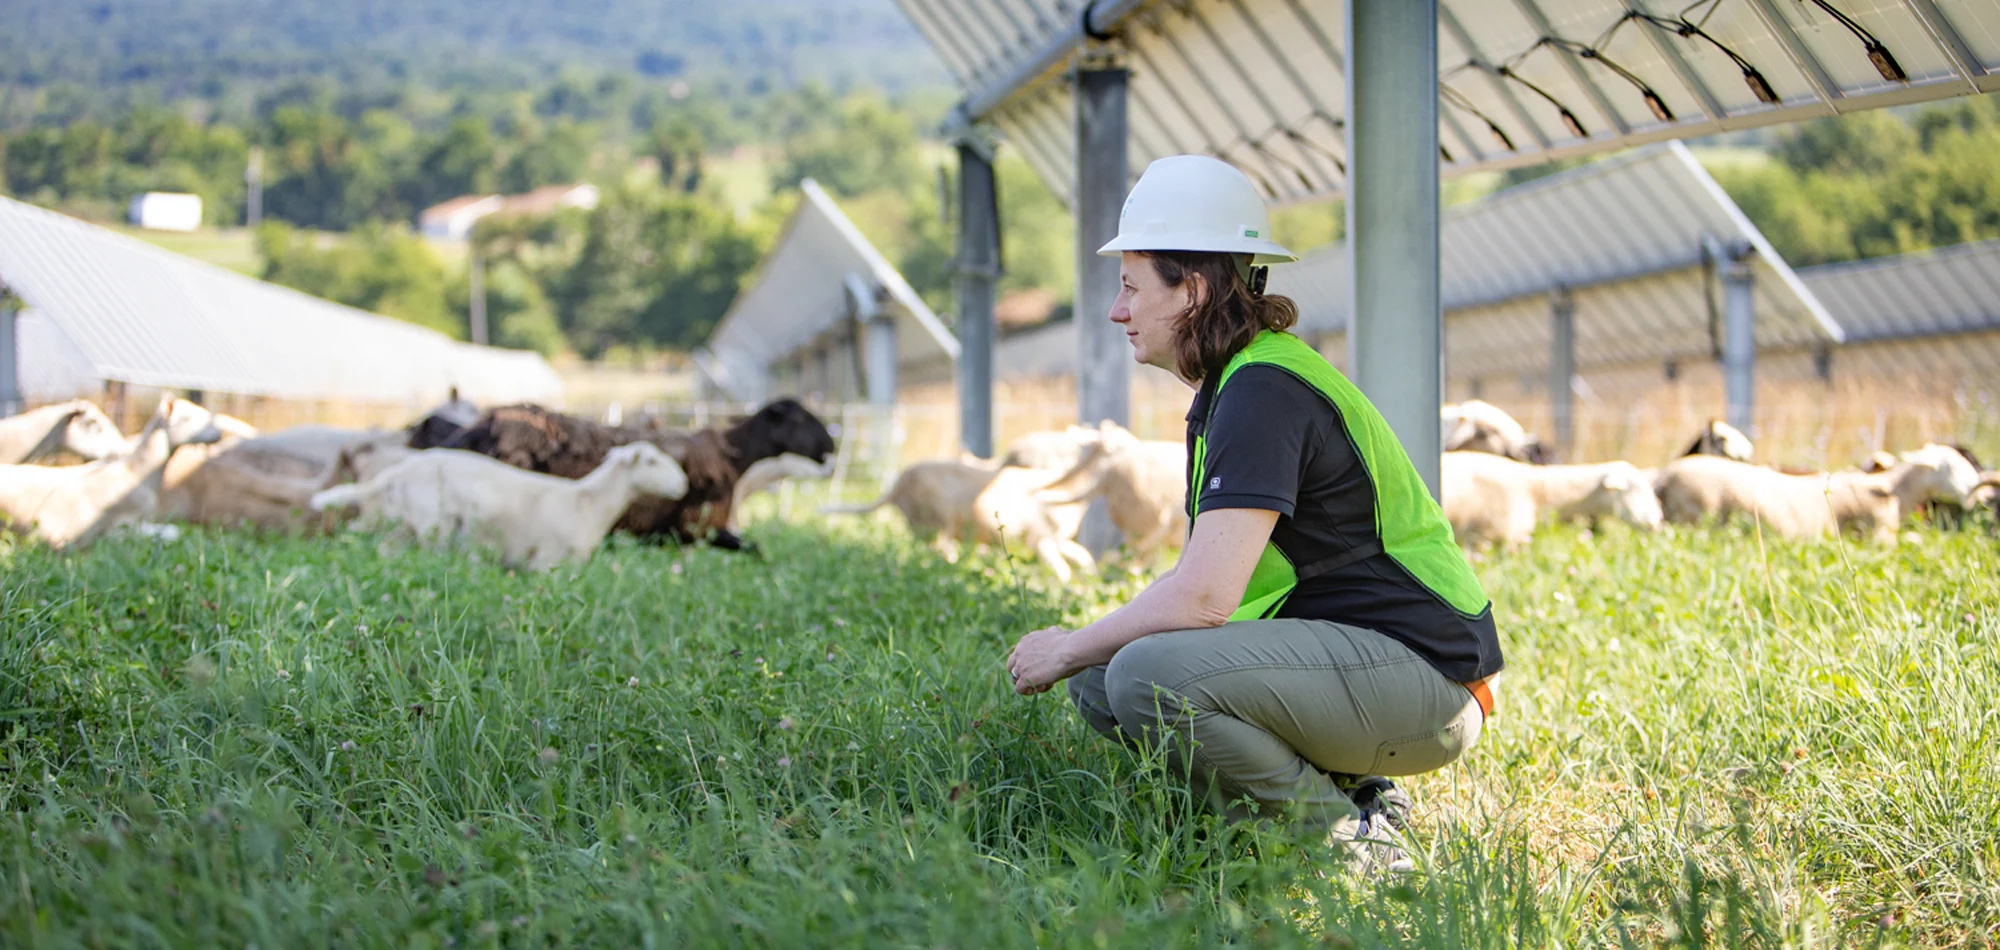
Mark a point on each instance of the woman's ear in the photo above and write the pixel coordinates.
(1196, 287)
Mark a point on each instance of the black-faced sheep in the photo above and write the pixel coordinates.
(541, 440)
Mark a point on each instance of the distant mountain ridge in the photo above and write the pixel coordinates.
(188, 46)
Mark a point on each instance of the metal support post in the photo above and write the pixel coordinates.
(11, 401)
(1739, 335)
(1395, 333)
(1104, 357)
(878, 341)
(978, 269)
(1562, 367)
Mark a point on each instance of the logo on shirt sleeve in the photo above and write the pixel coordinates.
(1215, 483)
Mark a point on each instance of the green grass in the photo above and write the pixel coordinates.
(233, 248)
(296, 743)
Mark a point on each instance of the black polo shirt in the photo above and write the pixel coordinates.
(1276, 444)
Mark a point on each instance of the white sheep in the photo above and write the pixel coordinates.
(1143, 483)
(78, 427)
(1721, 439)
(764, 475)
(71, 506)
(1796, 506)
(1479, 426)
(946, 502)
(1492, 499)
(1056, 450)
(449, 497)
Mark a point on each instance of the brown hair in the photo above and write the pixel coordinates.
(1225, 315)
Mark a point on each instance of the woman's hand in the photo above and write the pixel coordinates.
(1040, 661)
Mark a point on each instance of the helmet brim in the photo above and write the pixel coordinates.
(1262, 252)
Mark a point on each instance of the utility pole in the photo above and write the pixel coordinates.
(253, 178)
(478, 268)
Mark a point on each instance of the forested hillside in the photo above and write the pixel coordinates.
(90, 56)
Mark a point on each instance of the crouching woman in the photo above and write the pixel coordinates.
(1321, 630)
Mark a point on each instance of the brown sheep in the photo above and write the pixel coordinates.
(541, 440)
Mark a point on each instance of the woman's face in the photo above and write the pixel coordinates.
(1148, 309)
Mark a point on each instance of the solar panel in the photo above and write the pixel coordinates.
(799, 297)
(1624, 237)
(1261, 83)
(136, 313)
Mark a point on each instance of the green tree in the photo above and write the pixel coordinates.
(379, 268)
(654, 266)
(870, 146)
(464, 161)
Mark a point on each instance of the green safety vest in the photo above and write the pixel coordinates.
(1409, 525)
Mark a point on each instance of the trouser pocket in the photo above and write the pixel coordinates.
(1430, 751)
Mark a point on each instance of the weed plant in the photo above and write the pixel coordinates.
(1705, 738)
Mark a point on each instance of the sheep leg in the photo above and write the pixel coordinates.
(1051, 552)
(1077, 553)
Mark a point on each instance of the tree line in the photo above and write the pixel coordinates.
(657, 263)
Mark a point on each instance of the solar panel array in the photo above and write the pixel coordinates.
(1261, 83)
(799, 297)
(105, 306)
(1625, 236)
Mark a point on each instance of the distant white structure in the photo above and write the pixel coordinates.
(166, 211)
(453, 220)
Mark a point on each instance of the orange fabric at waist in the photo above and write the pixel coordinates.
(1482, 692)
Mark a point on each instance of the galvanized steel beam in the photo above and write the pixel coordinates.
(1104, 357)
(11, 401)
(1739, 335)
(977, 271)
(1562, 367)
(1395, 330)
(1098, 18)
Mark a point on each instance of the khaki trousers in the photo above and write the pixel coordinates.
(1282, 713)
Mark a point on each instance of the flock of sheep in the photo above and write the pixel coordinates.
(540, 487)
(1499, 484)
(534, 485)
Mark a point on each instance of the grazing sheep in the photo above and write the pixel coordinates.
(1793, 506)
(1491, 499)
(439, 425)
(72, 506)
(1946, 500)
(540, 440)
(448, 497)
(945, 502)
(1721, 439)
(1143, 483)
(765, 474)
(1479, 426)
(1055, 450)
(78, 427)
(1987, 495)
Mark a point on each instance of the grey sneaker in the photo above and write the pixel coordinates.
(1375, 795)
(1377, 848)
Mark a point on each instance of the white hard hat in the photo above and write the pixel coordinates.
(1196, 203)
